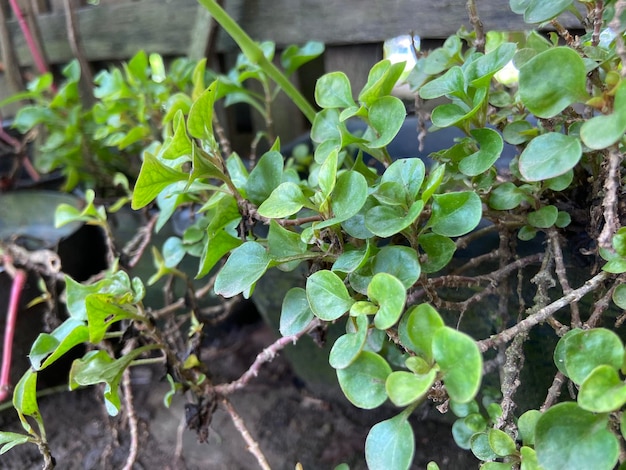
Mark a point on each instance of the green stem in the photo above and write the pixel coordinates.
(255, 55)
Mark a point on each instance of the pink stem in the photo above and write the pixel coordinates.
(19, 280)
(30, 41)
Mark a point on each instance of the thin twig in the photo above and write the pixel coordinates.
(510, 382)
(132, 421)
(553, 392)
(253, 446)
(267, 355)
(597, 22)
(544, 313)
(616, 26)
(561, 274)
(609, 203)
(477, 24)
(76, 44)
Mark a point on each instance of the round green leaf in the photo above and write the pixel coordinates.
(602, 391)
(285, 200)
(439, 251)
(295, 313)
(404, 388)
(460, 362)
(584, 351)
(552, 80)
(619, 296)
(603, 131)
(347, 347)
(537, 11)
(479, 444)
(328, 296)
(386, 116)
(245, 265)
(349, 195)
(363, 381)
(491, 145)
(501, 443)
(450, 83)
(390, 294)
(518, 132)
(390, 444)
(544, 217)
(409, 173)
(422, 321)
(463, 429)
(399, 261)
(568, 437)
(505, 197)
(333, 91)
(526, 425)
(385, 221)
(549, 155)
(455, 213)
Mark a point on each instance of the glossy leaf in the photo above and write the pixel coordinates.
(102, 311)
(479, 444)
(363, 381)
(601, 132)
(569, 437)
(543, 218)
(501, 443)
(422, 323)
(537, 11)
(349, 195)
(548, 156)
(328, 296)
(481, 70)
(526, 425)
(8, 440)
(584, 351)
(439, 251)
(460, 362)
(25, 399)
(619, 296)
(491, 145)
(405, 388)
(200, 119)
(380, 81)
(399, 261)
(390, 444)
(390, 294)
(348, 346)
(296, 313)
(295, 57)
(386, 221)
(450, 83)
(455, 213)
(544, 87)
(505, 196)
(386, 116)
(408, 173)
(153, 177)
(602, 391)
(218, 245)
(333, 90)
(48, 347)
(245, 265)
(265, 177)
(286, 200)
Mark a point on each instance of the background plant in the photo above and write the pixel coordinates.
(381, 245)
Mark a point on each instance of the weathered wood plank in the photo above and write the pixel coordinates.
(365, 21)
(117, 31)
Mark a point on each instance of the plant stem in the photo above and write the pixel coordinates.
(28, 36)
(255, 55)
(19, 279)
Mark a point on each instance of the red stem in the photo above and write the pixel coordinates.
(30, 40)
(19, 279)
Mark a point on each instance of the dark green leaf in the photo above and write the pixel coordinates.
(491, 145)
(455, 213)
(548, 156)
(347, 347)
(544, 217)
(245, 265)
(286, 200)
(399, 261)
(295, 313)
(265, 177)
(328, 296)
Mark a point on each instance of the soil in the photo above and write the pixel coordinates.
(290, 423)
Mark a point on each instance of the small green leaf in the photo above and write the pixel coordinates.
(460, 362)
(491, 145)
(585, 350)
(526, 425)
(153, 177)
(505, 196)
(349, 195)
(390, 444)
(265, 177)
(380, 81)
(295, 57)
(102, 311)
(363, 381)
(544, 88)
(451, 83)
(408, 173)
(602, 391)
(200, 119)
(390, 294)
(347, 347)
(245, 265)
(422, 323)
(439, 251)
(295, 313)
(8, 440)
(603, 131)
(405, 388)
(501, 443)
(536, 11)
(455, 213)
(463, 429)
(479, 444)
(619, 296)
(333, 90)
(47, 348)
(286, 200)
(548, 156)
(399, 261)
(569, 437)
(386, 116)
(25, 399)
(218, 244)
(529, 459)
(173, 251)
(544, 217)
(386, 221)
(328, 296)
(481, 70)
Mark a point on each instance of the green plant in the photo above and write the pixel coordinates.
(379, 244)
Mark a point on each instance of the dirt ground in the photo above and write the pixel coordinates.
(290, 423)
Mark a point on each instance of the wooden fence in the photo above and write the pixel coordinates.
(353, 31)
